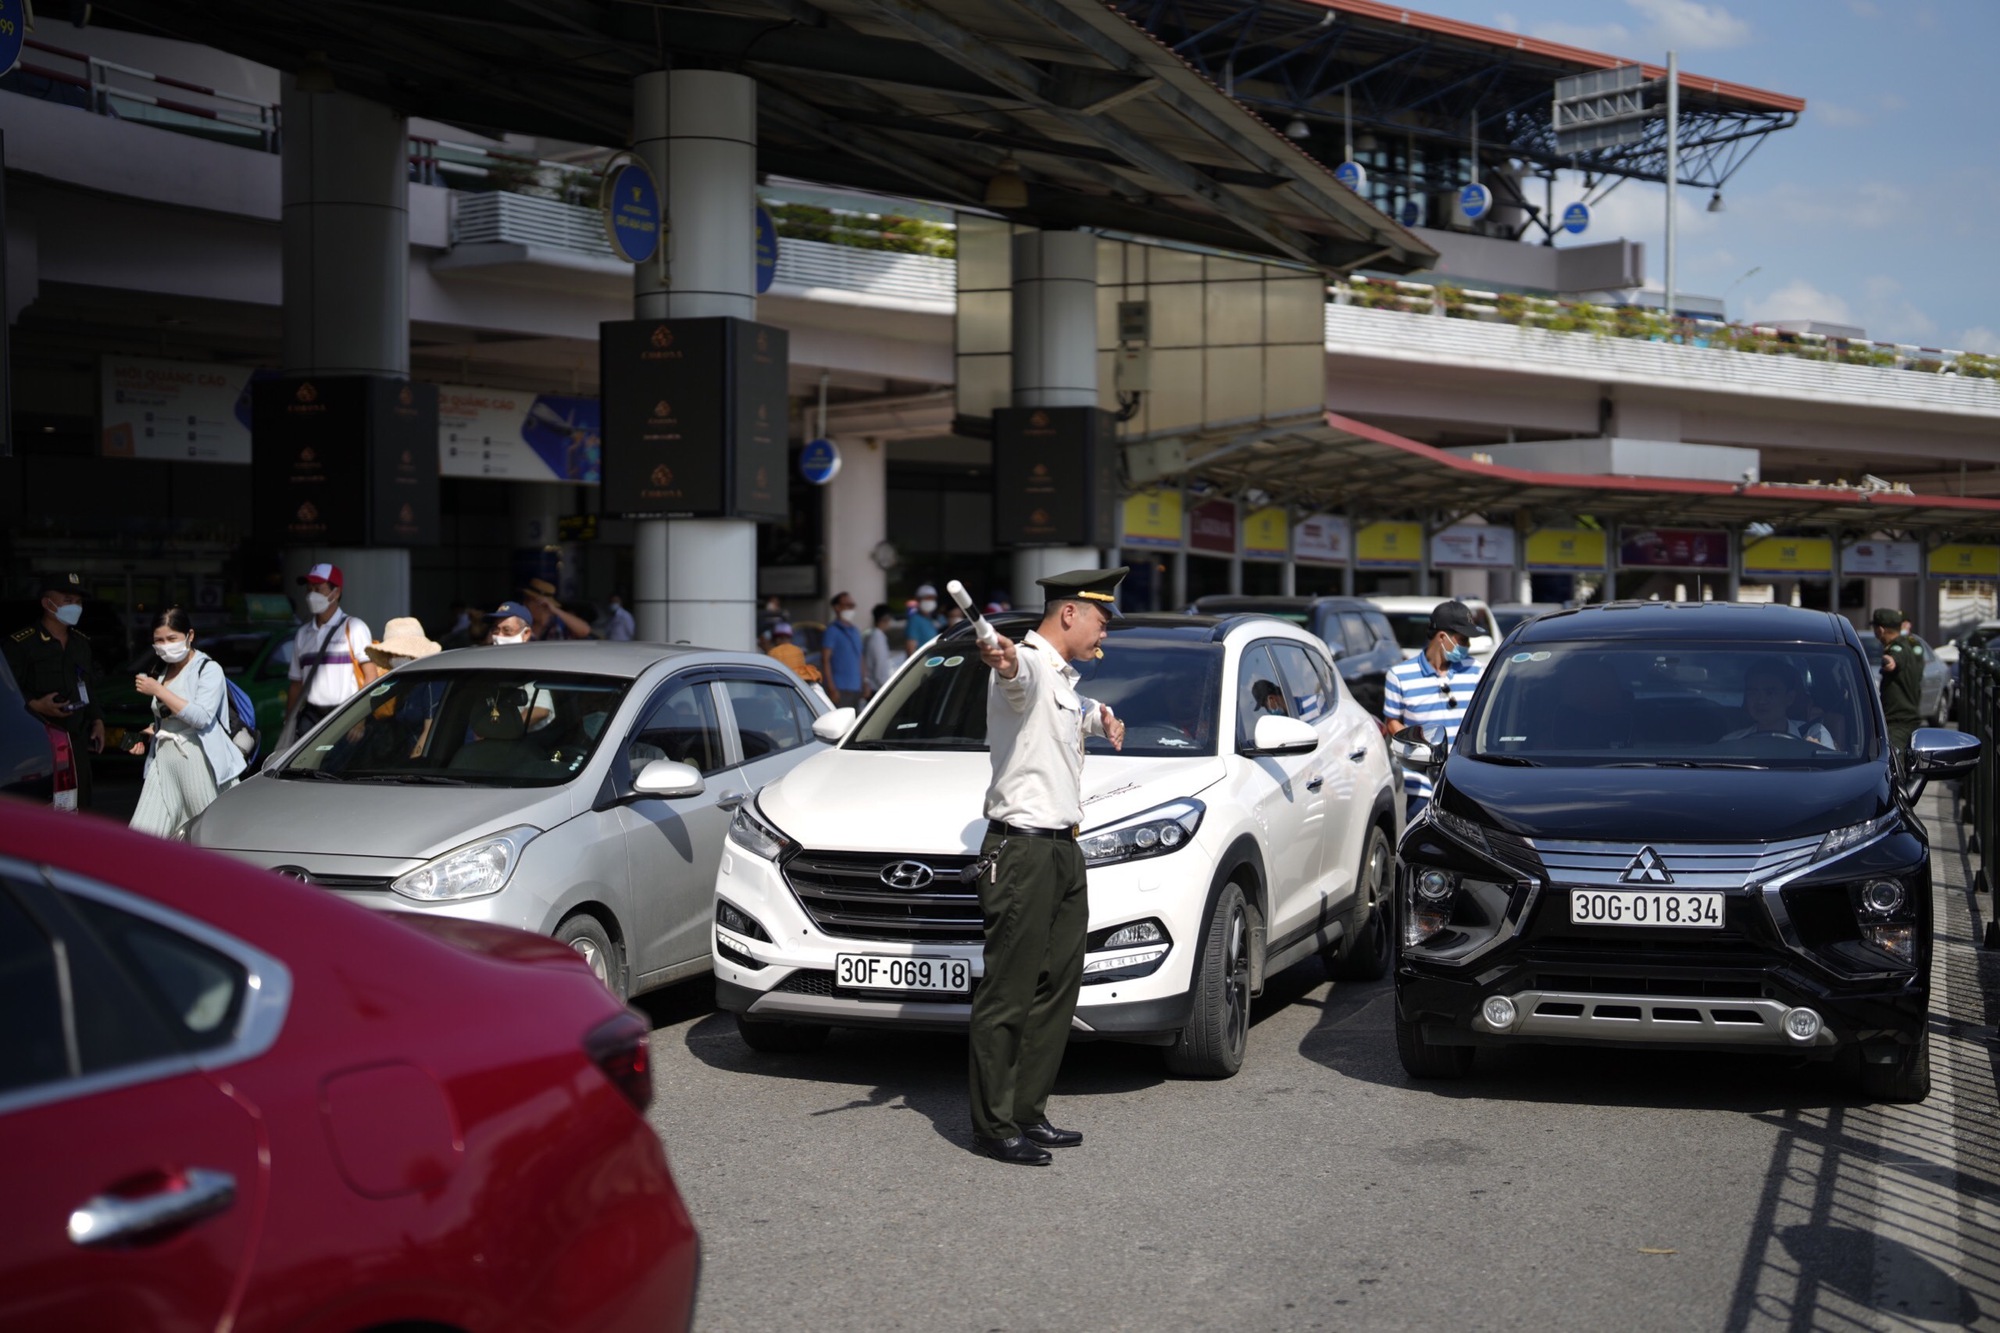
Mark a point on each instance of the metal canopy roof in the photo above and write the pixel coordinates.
(912, 97)
(1340, 461)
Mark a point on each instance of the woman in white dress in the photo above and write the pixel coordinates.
(189, 754)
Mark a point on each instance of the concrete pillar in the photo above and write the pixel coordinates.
(1055, 361)
(345, 192)
(856, 518)
(695, 580)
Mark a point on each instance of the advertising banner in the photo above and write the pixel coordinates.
(345, 460)
(1471, 546)
(1673, 548)
(185, 410)
(1153, 520)
(1323, 537)
(1801, 557)
(1212, 527)
(1054, 477)
(1957, 560)
(1389, 546)
(515, 435)
(1884, 559)
(1266, 532)
(1565, 551)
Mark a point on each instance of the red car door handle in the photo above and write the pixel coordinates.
(113, 1219)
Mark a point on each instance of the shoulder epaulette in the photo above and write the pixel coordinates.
(21, 636)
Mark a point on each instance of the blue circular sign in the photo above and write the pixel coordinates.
(1412, 214)
(1473, 201)
(13, 32)
(819, 461)
(631, 205)
(1353, 175)
(767, 251)
(1576, 219)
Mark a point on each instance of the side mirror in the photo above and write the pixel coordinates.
(1336, 650)
(1283, 735)
(1480, 644)
(830, 727)
(1412, 750)
(668, 780)
(1938, 752)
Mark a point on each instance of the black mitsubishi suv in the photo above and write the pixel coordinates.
(1668, 824)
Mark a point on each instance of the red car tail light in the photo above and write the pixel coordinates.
(65, 757)
(618, 1047)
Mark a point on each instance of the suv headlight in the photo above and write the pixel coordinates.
(1843, 840)
(757, 835)
(1163, 829)
(472, 871)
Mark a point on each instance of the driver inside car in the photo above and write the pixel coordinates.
(1770, 694)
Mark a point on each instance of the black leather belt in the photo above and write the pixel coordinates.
(1000, 830)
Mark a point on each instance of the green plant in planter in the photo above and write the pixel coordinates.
(1452, 299)
(1977, 365)
(1512, 307)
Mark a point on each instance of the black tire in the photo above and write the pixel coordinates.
(1906, 1079)
(1367, 958)
(1421, 1059)
(586, 934)
(777, 1037)
(1218, 1030)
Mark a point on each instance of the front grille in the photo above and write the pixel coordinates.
(1721, 988)
(807, 981)
(846, 896)
(1720, 865)
(351, 883)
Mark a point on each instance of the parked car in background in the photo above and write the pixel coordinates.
(1354, 629)
(1675, 825)
(579, 790)
(36, 761)
(1411, 617)
(229, 1101)
(257, 657)
(1247, 824)
(1507, 615)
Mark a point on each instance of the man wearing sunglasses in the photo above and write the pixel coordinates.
(1431, 690)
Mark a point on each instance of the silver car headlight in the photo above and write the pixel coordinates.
(1163, 829)
(471, 871)
(757, 835)
(1843, 840)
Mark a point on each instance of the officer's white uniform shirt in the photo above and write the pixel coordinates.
(1035, 728)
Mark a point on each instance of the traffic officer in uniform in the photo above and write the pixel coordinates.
(1902, 677)
(1031, 881)
(51, 663)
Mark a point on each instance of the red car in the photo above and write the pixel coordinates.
(232, 1101)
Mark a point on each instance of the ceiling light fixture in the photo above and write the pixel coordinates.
(1298, 129)
(1006, 189)
(1715, 203)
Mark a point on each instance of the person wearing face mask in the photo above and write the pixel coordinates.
(1431, 691)
(878, 659)
(510, 623)
(841, 654)
(329, 659)
(51, 663)
(617, 626)
(188, 751)
(922, 625)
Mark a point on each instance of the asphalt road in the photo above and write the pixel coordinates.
(1322, 1188)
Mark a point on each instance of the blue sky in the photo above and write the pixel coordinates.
(1880, 208)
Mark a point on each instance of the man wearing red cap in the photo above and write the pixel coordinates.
(329, 653)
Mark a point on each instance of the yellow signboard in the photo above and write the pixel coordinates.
(1570, 549)
(1811, 557)
(1153, 518)
(1956, 560)
(1266, 532)
(1390, 545)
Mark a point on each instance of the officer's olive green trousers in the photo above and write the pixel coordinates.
(1036, 909)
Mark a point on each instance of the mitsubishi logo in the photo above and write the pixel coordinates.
(1646, 868)
(907, 875)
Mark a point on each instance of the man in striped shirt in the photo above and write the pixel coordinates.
(1431, 690)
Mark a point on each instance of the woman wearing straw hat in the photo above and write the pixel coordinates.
(403, 641)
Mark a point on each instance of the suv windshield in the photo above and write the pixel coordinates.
(458, 728)
(1674, 704)
(1168, 696)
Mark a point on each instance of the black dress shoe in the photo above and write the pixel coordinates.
(1050, 1137)
(1016, 1150)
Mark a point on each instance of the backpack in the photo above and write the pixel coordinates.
(242, 720)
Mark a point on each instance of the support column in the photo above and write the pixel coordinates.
(695, 580)
(856, 515)
(345, 191)
(1055, 361)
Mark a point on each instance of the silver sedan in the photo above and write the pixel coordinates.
(580, 790)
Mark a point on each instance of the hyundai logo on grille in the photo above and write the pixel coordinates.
(1647, 868)
(299, 873)
(907, 875)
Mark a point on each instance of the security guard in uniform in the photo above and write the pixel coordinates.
(1031, 880)
(1902, 677)
(51, 663)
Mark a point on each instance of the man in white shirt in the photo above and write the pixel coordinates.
(1031, 884)
(329, 653)
(617, 625)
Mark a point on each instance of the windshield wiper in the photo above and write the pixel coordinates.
(1691, 763)
(308, 775)
(1516, 760)
(418, 779)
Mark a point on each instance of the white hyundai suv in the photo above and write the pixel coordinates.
(1250, 820)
